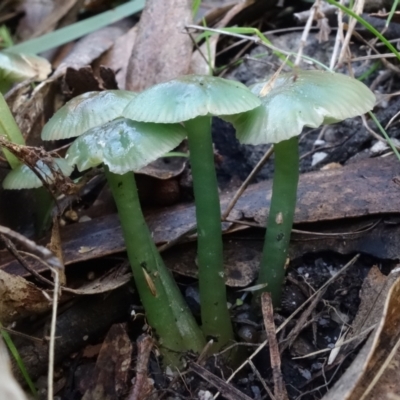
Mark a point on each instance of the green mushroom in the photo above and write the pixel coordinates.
(290, 102)
(22, 177)
(16, 67)
(193, 99)
(86, 111)
(123, 146)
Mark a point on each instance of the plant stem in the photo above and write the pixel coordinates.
(165, 307)
(280, 218)
(214, 311)
(9, 129)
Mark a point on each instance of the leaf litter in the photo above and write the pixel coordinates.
(341, 212)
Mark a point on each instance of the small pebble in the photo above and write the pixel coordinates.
(302, 347)
(205, 395)
(318, 157)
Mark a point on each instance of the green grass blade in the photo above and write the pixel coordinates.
(195, 7)
(18, 360)
(375, 66)
(392, 11)
(77, 30)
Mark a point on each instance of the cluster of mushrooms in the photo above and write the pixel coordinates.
(124, 131)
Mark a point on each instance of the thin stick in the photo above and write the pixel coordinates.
(268, 317)
(141, 388)
(42, 253)
(56, 278)
(50, 376)
(339, 38)
(246, 183)
(358, 8)
(13, 250)
(257, 40)
(306, 31)
(262, 380)
(301, 321)
(337, 345)
(23, 335)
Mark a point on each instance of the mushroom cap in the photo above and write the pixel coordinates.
(298, 99)
(23, 177)
(188, 97)
(124, 145)
(15, 67)
(86, 111)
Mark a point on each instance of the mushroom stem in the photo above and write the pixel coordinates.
(165, 307)
(214, 311)
(280, 217)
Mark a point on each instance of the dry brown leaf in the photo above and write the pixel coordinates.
(108, 282)
(19, 298)
(28, 108)
(162, 50)
(375, 356)
(388, 385)
(165, 168)
(373, 296)
(34, 13)
(117, 58)
(91, 47)
(111, 373)
(43, 16)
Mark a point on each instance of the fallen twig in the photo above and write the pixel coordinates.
(141, 387)
(268, 317)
